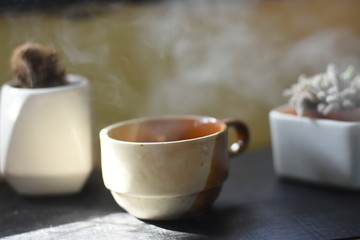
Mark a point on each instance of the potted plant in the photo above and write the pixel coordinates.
(45, 125)
(316, 136)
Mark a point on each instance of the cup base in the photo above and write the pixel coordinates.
(167, 208)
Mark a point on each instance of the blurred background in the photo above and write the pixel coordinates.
(216, 58)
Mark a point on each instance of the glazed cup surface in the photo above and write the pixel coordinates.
(167, 167)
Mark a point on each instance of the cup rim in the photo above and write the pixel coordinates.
(104, 133)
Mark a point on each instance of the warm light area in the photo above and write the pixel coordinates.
(220, 59)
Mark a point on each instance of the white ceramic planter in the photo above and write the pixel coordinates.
(46, 145)
(316, 150)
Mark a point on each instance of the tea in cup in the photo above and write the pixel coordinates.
(168, 167)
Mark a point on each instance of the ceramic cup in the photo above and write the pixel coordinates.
(162, 168)
(46, 144)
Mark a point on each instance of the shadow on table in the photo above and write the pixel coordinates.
(217, 221)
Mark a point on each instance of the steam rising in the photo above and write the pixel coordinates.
(313, 52)
(223, 61)
(218, 58)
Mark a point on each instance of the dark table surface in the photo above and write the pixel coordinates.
(254, 204)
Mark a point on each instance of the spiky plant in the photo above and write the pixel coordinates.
(36, 66)
(331, 91)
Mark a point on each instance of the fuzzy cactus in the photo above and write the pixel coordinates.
(331, 91)
(36, 66)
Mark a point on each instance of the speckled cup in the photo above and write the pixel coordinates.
(170, 167)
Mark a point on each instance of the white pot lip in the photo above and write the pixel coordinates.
(74, 81)
(276, 113)
(104, 132)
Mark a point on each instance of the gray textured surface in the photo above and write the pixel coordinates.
(112, 226)
(254, 204)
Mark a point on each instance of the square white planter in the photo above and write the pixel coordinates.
(316, 150)
(46, 142)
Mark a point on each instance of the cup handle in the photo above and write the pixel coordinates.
(242, 136)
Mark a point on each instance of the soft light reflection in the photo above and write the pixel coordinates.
(112, 226)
